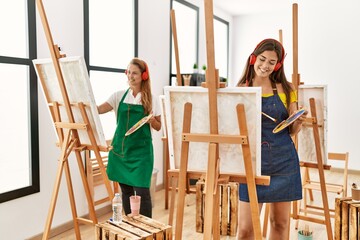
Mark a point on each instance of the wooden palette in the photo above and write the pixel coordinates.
(138, 124)
(289, 120)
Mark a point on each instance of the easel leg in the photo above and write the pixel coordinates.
(53, 201)
(167, 167)
(65, 150)
(266, 219)
(210, 186)
(183, 172)
(173, 181)
(321, 171)
(100, 163)
(216, 214)
(181, 200)
(250, 178)
(72, 199)
(86, 188)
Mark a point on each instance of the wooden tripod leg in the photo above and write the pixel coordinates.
(99, 161)
(86, 189)
(210, 188)
(183, 172)
(72, 199)
(266, 219)
(173, 182)
(250, 178)
(167, 167)
(321, 171)
(62, 160)
(216, 214)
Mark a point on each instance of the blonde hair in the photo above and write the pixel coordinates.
(146, 98)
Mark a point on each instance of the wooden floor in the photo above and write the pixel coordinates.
(160, 214)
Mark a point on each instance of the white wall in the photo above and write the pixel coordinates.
(328, 50)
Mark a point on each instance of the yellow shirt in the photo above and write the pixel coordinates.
(293, 97)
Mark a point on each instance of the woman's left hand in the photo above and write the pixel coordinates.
(302, 118)
(155, 122)
(152, 119)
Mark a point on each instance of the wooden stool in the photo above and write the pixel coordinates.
(229, 197)
(347, 214)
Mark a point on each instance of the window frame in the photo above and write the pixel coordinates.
(34, 186)
(187, 4)
(87, 41)
(227, 42)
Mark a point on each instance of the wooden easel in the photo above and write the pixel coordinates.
(214, 139)
(315, 126)
(313, 122)
(69, 141)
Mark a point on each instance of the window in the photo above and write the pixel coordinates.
(109, 49)
(19, 142)
(221, 42)
(187, 28)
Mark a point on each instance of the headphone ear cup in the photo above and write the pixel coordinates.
(277, 66)
(252, 59)
(145, 74)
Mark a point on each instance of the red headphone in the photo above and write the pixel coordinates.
(145, 74)
(278, 65)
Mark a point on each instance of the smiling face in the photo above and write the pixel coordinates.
(265, 63)
(134, 76)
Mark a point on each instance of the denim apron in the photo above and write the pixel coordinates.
(279, 158)
(131, 159)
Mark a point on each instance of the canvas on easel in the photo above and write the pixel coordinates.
(79, 89)
(306, 147)
(189, 123)
(228, 98)
(76, 121)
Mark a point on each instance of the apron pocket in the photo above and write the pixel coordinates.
(280, 160)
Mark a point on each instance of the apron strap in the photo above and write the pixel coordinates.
(273, 85)
(123, 97)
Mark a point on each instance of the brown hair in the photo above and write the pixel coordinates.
(146, 98)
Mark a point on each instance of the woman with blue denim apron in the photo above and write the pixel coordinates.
(279, 158)
(131, 159)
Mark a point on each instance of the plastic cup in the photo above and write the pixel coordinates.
(135, 202)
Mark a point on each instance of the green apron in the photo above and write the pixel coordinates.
(131, 159)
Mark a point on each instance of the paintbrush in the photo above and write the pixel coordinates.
(272, 119)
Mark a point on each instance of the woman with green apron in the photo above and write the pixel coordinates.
(131, 158)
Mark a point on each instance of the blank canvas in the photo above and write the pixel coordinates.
(78, 89)
(306, 142)
(231, 157)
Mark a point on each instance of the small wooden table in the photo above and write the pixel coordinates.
(133, 227)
